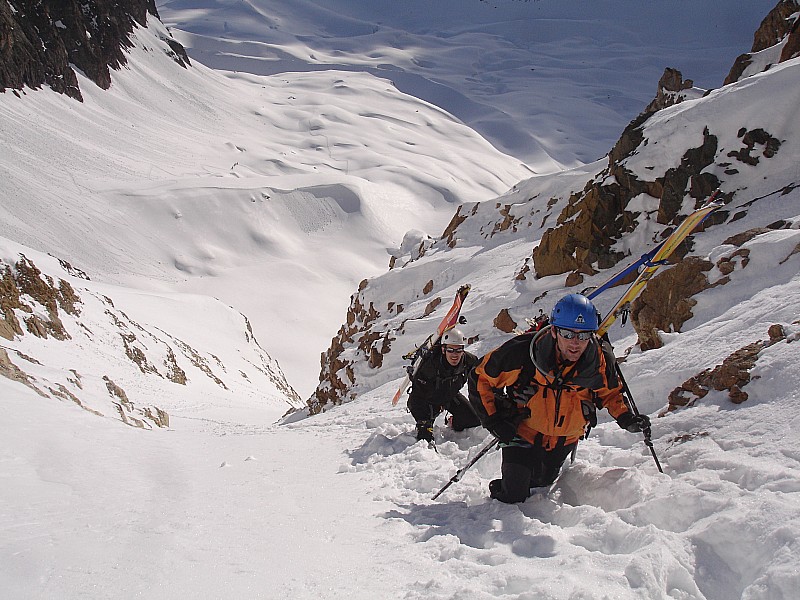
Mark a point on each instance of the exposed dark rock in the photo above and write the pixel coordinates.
(677, 179)
(727, 264)
(586, 230)
(776, 26)
(14, 373)
(596, 218)
(174, 372)
(178, 53)
(161, 418)
(333, 388)
(732, 375)
(504, 322)
(41, 41)
(127, 410)
(583, 244)
(791, 48)
(25, 281)
(666, 303)
(752, 138)
(669, 91)
(432, 305)
(573, 279)
(450, 230)
(744, 236)
(631, 138)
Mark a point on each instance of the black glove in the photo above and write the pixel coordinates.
(633, 423)
(503, 430)
(503, 424)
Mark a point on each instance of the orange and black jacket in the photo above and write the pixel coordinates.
(560, 412)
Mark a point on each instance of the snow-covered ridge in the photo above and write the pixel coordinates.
(127, 354)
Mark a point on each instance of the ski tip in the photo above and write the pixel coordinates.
(716, 198)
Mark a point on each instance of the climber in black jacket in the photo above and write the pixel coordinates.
(437, 386)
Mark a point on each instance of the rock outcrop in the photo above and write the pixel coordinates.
(666, 303)
(779, 26)
(731, 376)
(43, 41)
(596, 218)
(24, 288)
(337, 373)
(504, 322)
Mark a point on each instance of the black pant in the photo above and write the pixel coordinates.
(527, 467)
(463, 415)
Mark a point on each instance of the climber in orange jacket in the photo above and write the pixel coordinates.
(538, 394)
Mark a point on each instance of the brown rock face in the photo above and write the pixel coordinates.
(504, 322)
(792, 47)
(776, 26)
(597, 217)
(336, 373)
(732, 375)
(666, 303)
(670, 87)
(450, 230)
(677, 179)
(26, 280)
(575, 244)
(40, 40)
(668, 93)
(768, 145)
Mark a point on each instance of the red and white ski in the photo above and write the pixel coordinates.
(448, 322)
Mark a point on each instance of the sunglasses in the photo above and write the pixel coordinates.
(568, 334)
(454, 350)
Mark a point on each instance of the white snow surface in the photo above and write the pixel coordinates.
(277, 191)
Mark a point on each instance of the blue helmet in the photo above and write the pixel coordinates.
(575, 311)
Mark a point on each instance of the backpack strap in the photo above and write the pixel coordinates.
(611, 362)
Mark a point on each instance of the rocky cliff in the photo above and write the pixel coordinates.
(776, 40)
(42, 42)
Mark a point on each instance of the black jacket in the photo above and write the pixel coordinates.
(437, 382)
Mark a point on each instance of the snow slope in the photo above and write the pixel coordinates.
(550, 82)
(339, 506)
(133, 355)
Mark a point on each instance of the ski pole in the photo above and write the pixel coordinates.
(646, 432)
(460, 473)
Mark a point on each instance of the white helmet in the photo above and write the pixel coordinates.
(453, 337)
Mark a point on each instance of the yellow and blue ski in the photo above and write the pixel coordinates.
(652, 261)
